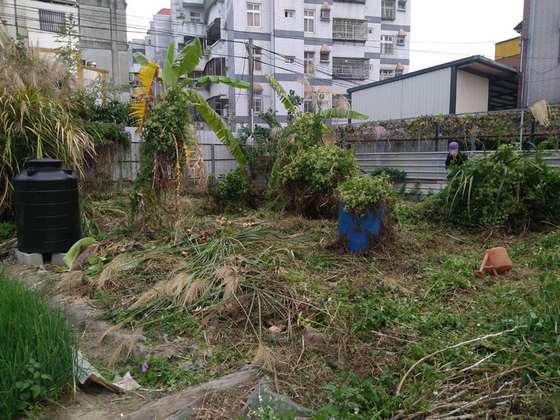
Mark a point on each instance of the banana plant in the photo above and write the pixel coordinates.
(175, 74)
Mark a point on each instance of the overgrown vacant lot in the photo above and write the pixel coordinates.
(408, 329)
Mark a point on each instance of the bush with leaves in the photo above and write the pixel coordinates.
(233, 193)
(308, 183)
(362, 194)
(507, 189)
(396, 176)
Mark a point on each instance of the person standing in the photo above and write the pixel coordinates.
(454, 156)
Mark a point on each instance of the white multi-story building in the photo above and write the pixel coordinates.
(316, 48)
(39, 23)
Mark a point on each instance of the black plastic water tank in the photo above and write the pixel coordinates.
(47, 207)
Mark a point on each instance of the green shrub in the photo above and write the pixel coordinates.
(363, 193)
(7, 230)
(396, 176)
(308, 183)
(36, 350)
(233, 193)
(508, 189)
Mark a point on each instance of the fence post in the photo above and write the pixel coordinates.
(436, 138)
(213, 159)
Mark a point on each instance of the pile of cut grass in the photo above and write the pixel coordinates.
(36, 350)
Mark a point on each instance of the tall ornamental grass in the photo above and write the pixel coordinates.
(36, 350)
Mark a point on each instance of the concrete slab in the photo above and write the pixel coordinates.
(58, 259)
(34, 260)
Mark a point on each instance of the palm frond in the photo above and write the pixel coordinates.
(236, 83)
(281, 92)
(327, 114)
(217, 125)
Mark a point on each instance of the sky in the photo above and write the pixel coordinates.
(442, 30)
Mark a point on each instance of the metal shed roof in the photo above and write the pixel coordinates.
(503, 79)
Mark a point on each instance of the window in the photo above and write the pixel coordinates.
(402, 6)
(350, 68)
(289, 13)
(257, 58)
(254, 14)
(257, 102)
(289, 59)
(388, 10)
(325, 57)
(51, 21)
(387, 46)
(308, 105)
(350, 29)
(309, 20)
(216, 67)
(309, 62)
(385, 74)
(325, 14)
(401, 40)
(195, 17)
(213, 33)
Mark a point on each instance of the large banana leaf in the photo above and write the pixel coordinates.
(146, 77)
(190, 57)
(139, 58)
(327, 114)
(284, 97)
(169, 75)
(236, 83)
(138, 111)
(217, 125)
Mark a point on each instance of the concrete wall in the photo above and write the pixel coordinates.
(542, 75)
(426, 94)
(103, 37)
(472, 93)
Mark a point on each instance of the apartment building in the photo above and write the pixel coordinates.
(37, 22)
(317, 48)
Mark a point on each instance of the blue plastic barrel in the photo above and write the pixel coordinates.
(359, 233)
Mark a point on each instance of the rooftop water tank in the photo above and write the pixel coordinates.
(47, 207)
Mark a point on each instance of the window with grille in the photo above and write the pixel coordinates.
(309, 20)
(289, 59)
(388, 9)
(402, 5)
(309, 62)
(387, 45)
(350, 29)
(253, 14)
(50, 21)
(325, 14)
(351, 68)
(257, 102)
(385, 74)
(325, 57)
(401, 40)
(216, 67)
(195, 17)
(289, 13)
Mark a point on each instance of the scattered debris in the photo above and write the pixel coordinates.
(86, 375)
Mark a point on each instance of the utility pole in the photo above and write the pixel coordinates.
(251, 60)
(16, 19)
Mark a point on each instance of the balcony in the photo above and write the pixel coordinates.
(350, 68)
(349, 30)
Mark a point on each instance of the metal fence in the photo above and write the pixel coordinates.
(126, 159)
(425, 171)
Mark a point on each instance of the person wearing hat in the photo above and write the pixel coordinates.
(454, 156)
